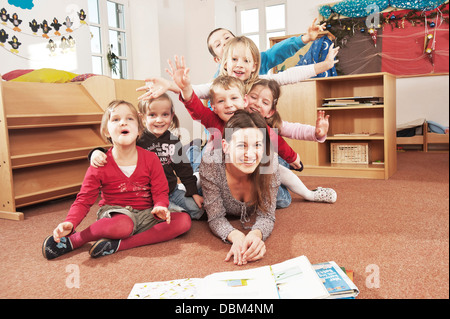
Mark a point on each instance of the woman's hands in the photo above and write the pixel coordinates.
(246, 249)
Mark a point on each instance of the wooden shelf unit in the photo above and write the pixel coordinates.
(300, 103)
(46, 132)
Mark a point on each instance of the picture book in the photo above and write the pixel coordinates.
(292, 279)
(336, 281)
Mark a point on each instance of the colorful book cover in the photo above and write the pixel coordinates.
(337, 283)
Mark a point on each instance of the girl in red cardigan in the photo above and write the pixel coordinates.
(134, 193)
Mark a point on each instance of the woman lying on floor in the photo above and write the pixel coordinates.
(240, 180)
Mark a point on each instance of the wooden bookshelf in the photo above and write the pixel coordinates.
(300, 103)
(46, 132)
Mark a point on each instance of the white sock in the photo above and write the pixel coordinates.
(293, 182)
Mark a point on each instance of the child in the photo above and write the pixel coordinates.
(263, 99)
(159, 118)
(241, 58)
(134, 195)
(281, 51)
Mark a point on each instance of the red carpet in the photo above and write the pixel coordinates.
(396, 231)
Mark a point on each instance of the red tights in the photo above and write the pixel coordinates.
(120, 227)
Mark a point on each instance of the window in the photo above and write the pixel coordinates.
(261, 20)
(109, 38)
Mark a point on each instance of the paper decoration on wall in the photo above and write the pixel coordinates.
(68, 24)
(15, 44)
(65, 45)
(51, 46)
(24, 4)
(13, 22)
(4, 16)
(34, 26)
(82, 16)
(45, 29)
(56, 25)
(3, 37)
(16, 22)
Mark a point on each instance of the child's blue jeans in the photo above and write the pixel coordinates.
(178, 198)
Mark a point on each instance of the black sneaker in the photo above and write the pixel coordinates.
(104, 247)
(51, 249)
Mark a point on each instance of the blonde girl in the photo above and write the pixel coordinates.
(134, 194)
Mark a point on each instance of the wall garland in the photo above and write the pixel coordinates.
(13, 29)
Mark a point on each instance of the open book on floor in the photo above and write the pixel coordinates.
(338, 284)
(292, 279)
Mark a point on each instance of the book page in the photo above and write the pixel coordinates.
(257, 283)
(174, 289)
(296, 279)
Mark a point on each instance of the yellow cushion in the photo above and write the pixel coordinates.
(46, 75)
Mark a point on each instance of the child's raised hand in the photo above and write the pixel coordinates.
(179, 72)
(62, 230)
(154, 88)
(322, 124)
(331, 57)
(313, 32)
(162, 213)
(329, 61)
(98, 159)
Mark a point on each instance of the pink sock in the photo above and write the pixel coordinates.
(118, 227)
(180, 224)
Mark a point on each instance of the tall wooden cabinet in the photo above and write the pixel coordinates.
(300, 103)
(46, 133)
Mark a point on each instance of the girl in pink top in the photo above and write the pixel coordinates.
(134, 191)
(263, 98)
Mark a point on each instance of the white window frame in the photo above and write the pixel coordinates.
(261, 6)
(104, 34)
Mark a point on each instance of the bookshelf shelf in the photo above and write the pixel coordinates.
(371, 124)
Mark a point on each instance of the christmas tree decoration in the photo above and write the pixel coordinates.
(429, 50)
(373, 33)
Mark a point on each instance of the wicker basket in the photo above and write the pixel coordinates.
(350, 153)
